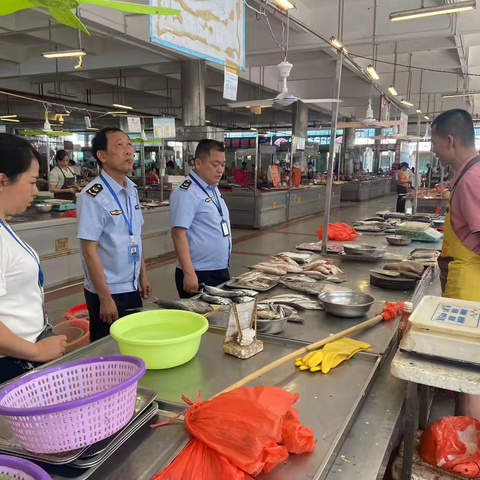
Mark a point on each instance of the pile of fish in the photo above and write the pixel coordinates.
(275, 311)
(299, 302)
(317, 247)
(278, 265)
(324, 266)
(428, 258)
(188, 305)
(219, 296)
(315, 288)
(257, 280)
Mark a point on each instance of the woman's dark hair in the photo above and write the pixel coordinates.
(16, 155)
(170, 164)
(61, 154)
(100, 141)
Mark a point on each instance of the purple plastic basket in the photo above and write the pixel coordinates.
(22, 469)
(74, 404)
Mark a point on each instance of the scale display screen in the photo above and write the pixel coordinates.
(456, 315)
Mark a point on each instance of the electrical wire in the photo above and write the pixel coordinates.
(433, 70)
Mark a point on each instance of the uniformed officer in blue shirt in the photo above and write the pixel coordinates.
(201, 223)
(110, 227)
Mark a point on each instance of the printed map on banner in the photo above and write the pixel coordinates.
(209, 29)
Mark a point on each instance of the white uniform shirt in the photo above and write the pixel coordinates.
(56, 178)
(21, 300)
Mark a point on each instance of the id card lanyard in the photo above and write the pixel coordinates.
(133, 250)
(223, 223)
(29, 250)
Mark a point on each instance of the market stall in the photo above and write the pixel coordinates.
(360, 191)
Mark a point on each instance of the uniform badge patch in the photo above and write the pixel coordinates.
(116, 212)
(137, 207)
(95, 190)
(209, 199)
(186, 184)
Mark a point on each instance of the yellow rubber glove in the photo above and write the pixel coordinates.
(337, 352)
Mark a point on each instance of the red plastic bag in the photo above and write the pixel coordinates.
(198, 461)
(338, 231)
(452, 444)
(250, 429)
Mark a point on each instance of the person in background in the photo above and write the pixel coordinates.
(310, 171)
(231, 170)
(26, 338)
(403, 183)
(296, 175)
(200, 223)
(110, 231)
(170, 169)
(152, 176)
(62, 178)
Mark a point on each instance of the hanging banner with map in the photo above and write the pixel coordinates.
(210, 29)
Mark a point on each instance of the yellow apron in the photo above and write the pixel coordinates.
(460, 267)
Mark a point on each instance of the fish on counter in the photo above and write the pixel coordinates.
(299, 257)
(317, 247)
(273, 311)
(215, 300)
(220, 292)
(243, 299)
(270, 269)
(315, 288)
(325, 267)
(294, 277)
(256, 279)
(369, 228)
(188, 305)
(299, 302)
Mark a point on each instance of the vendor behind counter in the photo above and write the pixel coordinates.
(62, 179)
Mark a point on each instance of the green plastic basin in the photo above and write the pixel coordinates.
(161, 338)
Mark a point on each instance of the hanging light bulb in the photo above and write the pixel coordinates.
(46, 126)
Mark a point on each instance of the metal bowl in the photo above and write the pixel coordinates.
(44, 207)
(271, 327)
(398, 240)
(346, 304)
(360, 249)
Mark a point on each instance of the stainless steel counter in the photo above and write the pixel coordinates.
(55, 241)
(366, 190)
(328, 404)
(278, 206)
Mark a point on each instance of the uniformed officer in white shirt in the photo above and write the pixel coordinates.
(200, 223)
(110, 227)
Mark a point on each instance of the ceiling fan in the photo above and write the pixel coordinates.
(284, 98)
(370, 121)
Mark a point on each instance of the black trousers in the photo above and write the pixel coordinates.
(126, 304)
(210, 277)
(402, 192)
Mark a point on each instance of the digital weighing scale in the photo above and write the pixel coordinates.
(445, 328)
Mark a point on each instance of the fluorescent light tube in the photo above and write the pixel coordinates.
(372, 72)
(407, 103)
(392, 91)
(122, 107)
(65, 54)
(433, 11)
(286, 4)
(459, 95)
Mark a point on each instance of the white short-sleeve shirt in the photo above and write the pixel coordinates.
(21, 300)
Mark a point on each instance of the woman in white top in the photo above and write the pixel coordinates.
(25, 336)
(62, 178)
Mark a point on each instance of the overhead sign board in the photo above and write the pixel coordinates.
(209, 29)
(164, 127)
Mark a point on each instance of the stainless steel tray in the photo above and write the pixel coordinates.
(10, 445)
(115, 443)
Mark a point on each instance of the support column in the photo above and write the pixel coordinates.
(193, 103)
(300, 119)
(193, 93)
(348, 150)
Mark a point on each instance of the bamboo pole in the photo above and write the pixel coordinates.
(300, 352)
